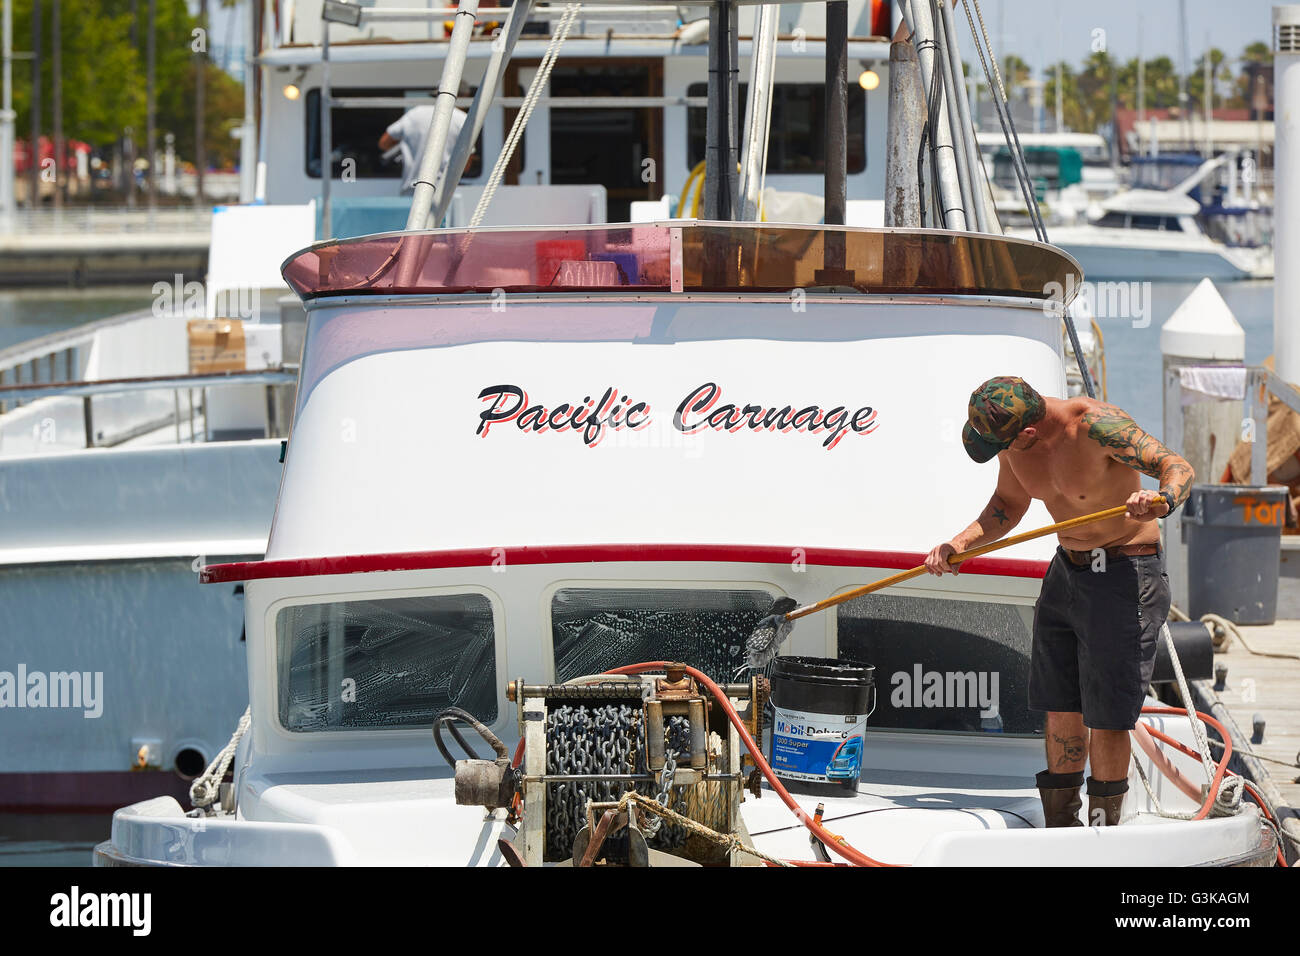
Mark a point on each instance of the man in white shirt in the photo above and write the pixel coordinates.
(410, 132)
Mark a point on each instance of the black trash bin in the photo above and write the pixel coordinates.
(1234, 538)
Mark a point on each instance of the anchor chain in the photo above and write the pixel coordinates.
(593, 739)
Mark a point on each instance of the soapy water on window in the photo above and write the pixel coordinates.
(596, 629)
(387, 663)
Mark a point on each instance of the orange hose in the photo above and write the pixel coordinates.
(1162, 762)
(1281, 859)
(857, 857)
(1223, 761)
(838, 846)
(1178, 745)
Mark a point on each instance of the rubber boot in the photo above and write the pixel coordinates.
(1105, 800)
(1060, 796)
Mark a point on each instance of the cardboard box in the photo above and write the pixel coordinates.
(216, 345)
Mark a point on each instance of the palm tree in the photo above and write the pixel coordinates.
(1196, 82)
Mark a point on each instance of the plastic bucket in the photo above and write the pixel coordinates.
(819, 730)
(551, 252)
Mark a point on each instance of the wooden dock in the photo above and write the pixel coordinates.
(1268, 687)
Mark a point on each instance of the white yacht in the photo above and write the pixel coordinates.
(1149, 234)
(543, 481)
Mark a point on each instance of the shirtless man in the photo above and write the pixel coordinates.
(1105, 595)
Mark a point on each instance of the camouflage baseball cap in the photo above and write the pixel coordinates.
(998, 410)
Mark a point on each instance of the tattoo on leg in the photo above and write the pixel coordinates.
(1072, 749)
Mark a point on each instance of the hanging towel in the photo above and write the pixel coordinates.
(1204, 382)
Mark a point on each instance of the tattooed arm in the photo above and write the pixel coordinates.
(1126, 442)
(1008, 505)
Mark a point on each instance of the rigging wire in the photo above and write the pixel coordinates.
(1008, 123)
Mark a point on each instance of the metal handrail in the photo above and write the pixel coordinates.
(590, 12)
(280, 376)
(270, 378)
(513, 102)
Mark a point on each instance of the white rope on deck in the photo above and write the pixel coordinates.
(1231, 788)
(205, 789)
(1185, 692)
(534, 94)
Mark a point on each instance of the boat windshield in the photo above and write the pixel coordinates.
(383, 664)
(1163, 172)
(686, 257)
(941, 665)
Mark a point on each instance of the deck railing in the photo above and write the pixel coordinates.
(276, 424)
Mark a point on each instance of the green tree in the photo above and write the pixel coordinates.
(1015, 72)
(1071, 107)
(1094, 91)
(1196, 82)
(104, 76)
(1255, 55)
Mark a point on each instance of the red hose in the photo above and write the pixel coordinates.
(1281, 859)
(1222, 766)
(1142, 733)
(856, 857)
(837, 845)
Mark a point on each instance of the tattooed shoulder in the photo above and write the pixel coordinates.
(1128, 443)
(1107, 424)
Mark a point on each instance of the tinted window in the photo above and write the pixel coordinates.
(361, 665)
(356, 132)
(798, 137)
(943, 665)
(1146, 222)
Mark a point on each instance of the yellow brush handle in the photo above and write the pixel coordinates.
(958, 558)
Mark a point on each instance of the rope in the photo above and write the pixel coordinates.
(1001, 107)
(1155, 801)
(1227, 801)
(204, 790)
(1185, 692)
(1280, 763)
(1007, 122)
(521, 120)
(722, 840)
(1232, 632)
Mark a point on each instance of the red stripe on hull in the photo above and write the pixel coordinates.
(600, 553)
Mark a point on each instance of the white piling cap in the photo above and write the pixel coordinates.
(1203, 327)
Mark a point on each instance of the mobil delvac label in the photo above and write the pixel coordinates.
(823, 748)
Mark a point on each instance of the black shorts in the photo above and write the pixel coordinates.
(1095, 635)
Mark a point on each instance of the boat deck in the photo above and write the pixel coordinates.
(1268, 687)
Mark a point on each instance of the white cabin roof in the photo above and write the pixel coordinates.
(1152, 202)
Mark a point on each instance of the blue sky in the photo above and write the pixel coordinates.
(1043, 31)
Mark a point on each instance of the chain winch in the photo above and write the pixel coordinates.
(620, 769)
